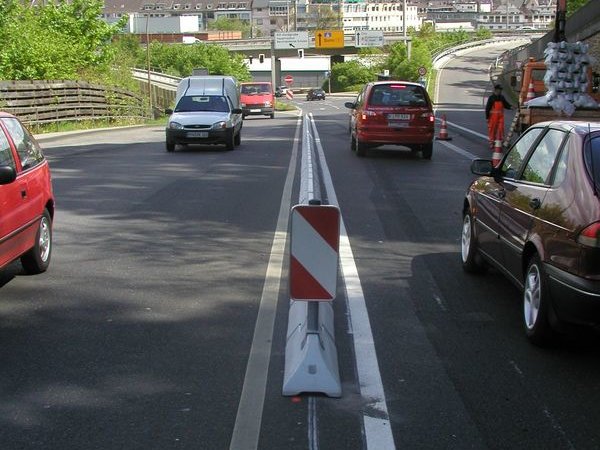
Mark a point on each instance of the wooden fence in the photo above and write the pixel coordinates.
(41, 102)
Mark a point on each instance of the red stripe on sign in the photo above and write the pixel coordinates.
(303, 285)
(322, 220)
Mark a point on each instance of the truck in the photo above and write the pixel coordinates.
(533, 84)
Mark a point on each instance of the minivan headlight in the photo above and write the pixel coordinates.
(219, 125)
(175, 126)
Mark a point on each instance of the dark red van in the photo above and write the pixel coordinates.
(26, 198)
(392, 113)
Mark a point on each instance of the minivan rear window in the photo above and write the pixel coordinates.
(398, 94)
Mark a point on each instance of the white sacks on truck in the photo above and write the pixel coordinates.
(567, 78)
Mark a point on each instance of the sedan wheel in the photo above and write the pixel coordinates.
(471, 260)
(37, 259)
(535, 304)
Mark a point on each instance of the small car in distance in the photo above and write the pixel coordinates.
(280, 91)
(392, 113)
(536, 218)
(315, 94)
(26, 198)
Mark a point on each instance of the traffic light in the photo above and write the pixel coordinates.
(261, 58)
(300, 53)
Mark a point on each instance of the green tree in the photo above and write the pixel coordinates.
(227, 24)
(61, 39)
(181, 59)
(351, 75)
(402, 68)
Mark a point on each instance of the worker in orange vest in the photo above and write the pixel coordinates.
(494, 114)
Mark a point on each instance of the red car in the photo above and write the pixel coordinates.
(536, 218)
(26, 198)
(392, 113)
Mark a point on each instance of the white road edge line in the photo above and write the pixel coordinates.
(377, 427)
(246, 430)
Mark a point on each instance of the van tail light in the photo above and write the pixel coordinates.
(590, 235)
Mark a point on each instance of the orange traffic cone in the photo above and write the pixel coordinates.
(497, 155)
(443, 135)
(530, 92)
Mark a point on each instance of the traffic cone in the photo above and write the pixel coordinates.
(530, 92)
(497, 155)
(443, 135)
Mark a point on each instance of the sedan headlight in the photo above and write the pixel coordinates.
(242, 104)
(268, 104)
(175, 126)
(219, 125)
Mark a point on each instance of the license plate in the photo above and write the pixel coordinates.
(398, 124)
(398, 116)
(197, 134)
(255, 110)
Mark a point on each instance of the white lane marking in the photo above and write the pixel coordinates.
(313, 429)
(458, 150)
(246, 430)
(377, 427)
(467, 130)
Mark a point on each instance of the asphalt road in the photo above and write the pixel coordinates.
(139, 335)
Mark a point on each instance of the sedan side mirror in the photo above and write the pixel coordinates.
(350, 105)
(168, 111)
(236, 111)
(8, 174)
(482, 167)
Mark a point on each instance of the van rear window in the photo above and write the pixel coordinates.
(398, 94)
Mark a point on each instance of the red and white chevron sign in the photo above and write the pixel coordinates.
(315, 241)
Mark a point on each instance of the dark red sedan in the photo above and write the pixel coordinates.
(26, 198)
(536, 218)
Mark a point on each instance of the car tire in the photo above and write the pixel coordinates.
(272, 116)
(470, 257)
(230, 140)
(37, 259)
(427, 150)
(170, 146)
(238, 138)
(361, 149)
(352, 143)
(536, 303)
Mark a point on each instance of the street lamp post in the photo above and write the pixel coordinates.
(148, 62)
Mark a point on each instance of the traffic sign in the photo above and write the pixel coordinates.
(295, 39)
(422, 71)
(288, 79)
(329, 39)
(368, 38)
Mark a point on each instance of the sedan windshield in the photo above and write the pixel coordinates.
(194, 103)
(397, 95)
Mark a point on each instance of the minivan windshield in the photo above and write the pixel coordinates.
(256, 89)
(397, 94)
(194, 103)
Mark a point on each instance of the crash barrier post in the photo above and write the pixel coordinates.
(311, 363)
